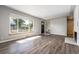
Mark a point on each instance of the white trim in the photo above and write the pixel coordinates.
(11, 39)
(17, 38)
(6, 40)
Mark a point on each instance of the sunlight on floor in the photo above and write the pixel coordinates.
(30, 38)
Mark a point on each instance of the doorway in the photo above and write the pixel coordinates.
(42, 27)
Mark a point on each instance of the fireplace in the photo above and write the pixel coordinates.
(75, 35)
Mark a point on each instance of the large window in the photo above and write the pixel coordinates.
(19, 25)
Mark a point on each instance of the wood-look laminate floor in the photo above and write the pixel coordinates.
(52, 44)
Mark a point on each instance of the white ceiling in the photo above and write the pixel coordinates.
(44, 11)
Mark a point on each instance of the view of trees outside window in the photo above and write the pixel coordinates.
(18, 25)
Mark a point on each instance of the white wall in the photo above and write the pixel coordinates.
(58, 26)
(76, 22)
(4, 22)
(76, 17)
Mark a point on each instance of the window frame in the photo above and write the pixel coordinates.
(17, 29)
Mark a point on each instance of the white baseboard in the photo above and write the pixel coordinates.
(58, 34)
(7, 40)
(16, 38)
